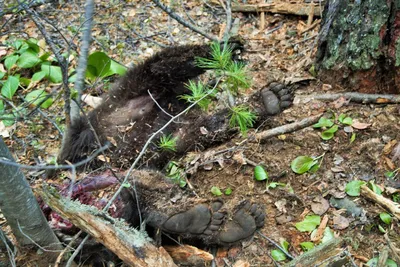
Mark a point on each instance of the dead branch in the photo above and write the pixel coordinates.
(280, 8)
(391, 206)
(183, 22)
(352, 96)
(288, 128)
(130, 245)
(327, 254)
(189, 255)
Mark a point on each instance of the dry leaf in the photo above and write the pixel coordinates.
(92, 101)
(360, 125)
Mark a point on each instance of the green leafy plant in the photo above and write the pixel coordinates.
(392, 174)
(303, 164)
(306, 246)
(242, 117)
(333, 126)
(386, 218)
(279, 255)
(167, 143)
(260, 174)
(176, 174)
(309, 223)
(221, 58)
(101, 65)
(198, 91)
(353, 188)
(216, 191)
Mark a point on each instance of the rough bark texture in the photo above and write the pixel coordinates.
(20, 208)
(359, 45)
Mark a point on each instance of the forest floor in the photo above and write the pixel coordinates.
(133, 30)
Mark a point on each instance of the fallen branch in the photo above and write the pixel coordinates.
(352, 96)
(182, 21)
(130, 245)
(281, 8)
(288, 128)
(391, 206)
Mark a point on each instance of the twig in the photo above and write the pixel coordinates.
(182, 21)
(67, 248)
(86, 38)
(391, 206)
(55, 167)
(354, 97)
(288, 127)
(276, 245)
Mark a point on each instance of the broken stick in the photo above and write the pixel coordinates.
(391, 206)
(288, 128)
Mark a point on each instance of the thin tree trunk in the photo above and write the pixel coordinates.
(20, 208)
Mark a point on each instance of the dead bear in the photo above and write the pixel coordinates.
(128, 116)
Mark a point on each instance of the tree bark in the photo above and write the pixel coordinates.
(359, 46)
(20, 208)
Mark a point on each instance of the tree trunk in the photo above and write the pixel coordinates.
(20, 208)
(359, 46)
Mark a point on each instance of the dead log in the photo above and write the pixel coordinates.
(280, 8)
(189, 256)
(131, 246)
(351, 96)
(391, 206)
(331, 253)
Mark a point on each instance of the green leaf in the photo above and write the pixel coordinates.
(353, 137)
(278, 255)
(385, 217)
(374, 262)
(353, 188)
(328, 235)
(33, 45)
(323, 122)
(285, 245)
(53, 73)
(341, 117)
(45, 56)
(260, 174)
(38, 76)
(275, 185)
(216, 191)
(328, 134)
(309, 223)
(37, 96)
(126, 185)
(302, 164)
(10, 61)
(314, 168)
(381, 229)
(348, 121)
(116, 68)
(8, 122)
(10, 87)
(28, 59)
(228, 191)
(99, 64)
(306, 246)
(1, 106)
(374, 188)
(2, 74)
